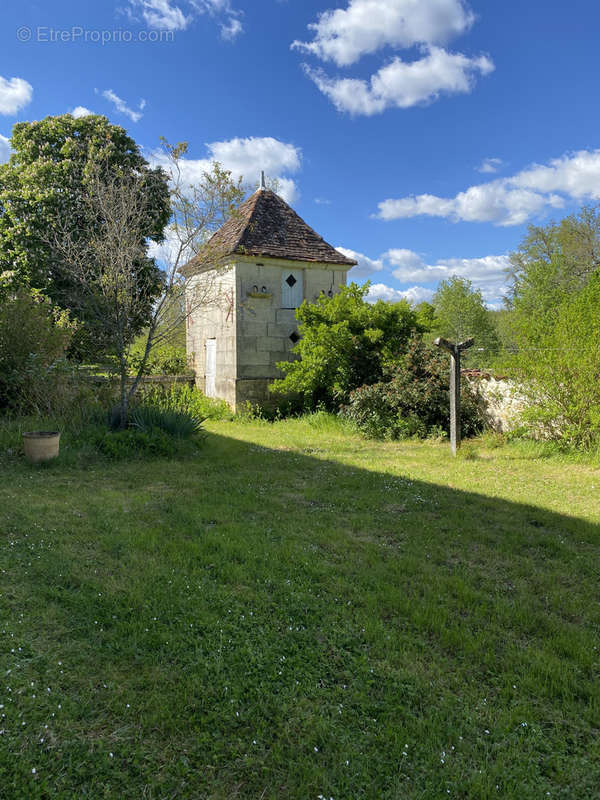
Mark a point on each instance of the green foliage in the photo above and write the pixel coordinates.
(42, 190)
(426, 316)
(560, 378)
(415, 402)
(555, 297)
(502, 320)
(132, 444)
(346, 342)
(148, 419)
(164, 359)
(460, 314)
(552, 263)
(34, 337)
(185, 399)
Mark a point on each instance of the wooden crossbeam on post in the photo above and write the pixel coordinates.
(455, 350)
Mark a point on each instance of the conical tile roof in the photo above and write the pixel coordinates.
(265, 225)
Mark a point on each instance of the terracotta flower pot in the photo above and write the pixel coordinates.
(41, 445)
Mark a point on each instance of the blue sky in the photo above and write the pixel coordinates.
(422, 135)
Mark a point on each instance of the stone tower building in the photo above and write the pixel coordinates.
(243, 289)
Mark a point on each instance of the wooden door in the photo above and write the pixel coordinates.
(210, 369)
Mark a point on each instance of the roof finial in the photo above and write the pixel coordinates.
(263, 184)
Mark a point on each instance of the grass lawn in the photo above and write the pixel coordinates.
(298, 613)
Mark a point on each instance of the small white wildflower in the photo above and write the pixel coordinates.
(33, 770)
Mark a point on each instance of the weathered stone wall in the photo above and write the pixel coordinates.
(264, 327)
(211, 299)
(502, 398)
(251, 328)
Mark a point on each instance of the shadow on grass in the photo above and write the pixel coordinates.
(269, 623)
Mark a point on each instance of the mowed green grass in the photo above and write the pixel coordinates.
(298, 613)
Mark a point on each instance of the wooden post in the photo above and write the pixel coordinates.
(455, 350)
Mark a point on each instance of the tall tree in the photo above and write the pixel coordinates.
(552, 263)
(44, 188)
(461, 313)
(102, 266)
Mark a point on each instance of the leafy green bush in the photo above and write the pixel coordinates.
(560, 379)
(186, 399)
(123, 445)
(345, 343)
(415, 402)
(34, 336)
(176, 423)
(165, 359)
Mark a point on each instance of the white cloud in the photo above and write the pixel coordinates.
(232, 28)
(15, 94)
(322, 201)
(4, 149)
(122, 106)
(366, 266)
(513, 200)
(253, 154)
(577, 175)
(419, 279)
(406, 260)
(414, 295)
(229, 17)
(80, 111)
(246, 157)
(490, 165)
(366, 26)
(161, 14)
(165, 15)
(402, 84)
(491, 202)
(487, 273)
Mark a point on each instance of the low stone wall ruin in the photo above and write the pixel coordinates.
(501, 396)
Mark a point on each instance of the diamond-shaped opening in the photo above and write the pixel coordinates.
(294, 337)
(290, 280)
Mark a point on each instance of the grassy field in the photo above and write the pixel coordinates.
(297, 613)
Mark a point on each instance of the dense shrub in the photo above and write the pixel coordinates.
(561, 379)
(34, 337)
(132, 443)
(415, 401)
(345, 343)
(185, 399)
(175, 423)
